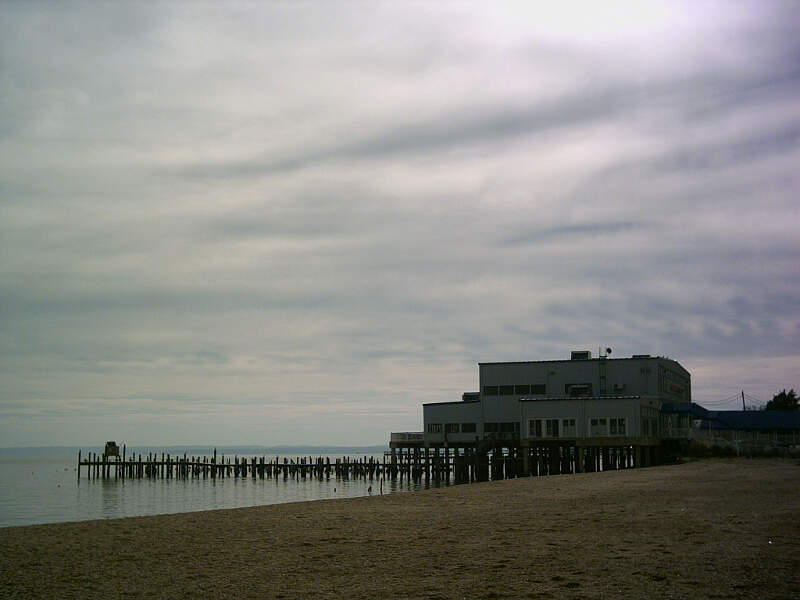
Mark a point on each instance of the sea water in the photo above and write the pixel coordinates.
(43, 487)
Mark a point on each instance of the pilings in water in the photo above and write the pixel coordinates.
(413, 464)
(485, 462)
(167, 466)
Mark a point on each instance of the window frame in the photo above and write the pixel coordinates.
(617, 426)
(598, 427)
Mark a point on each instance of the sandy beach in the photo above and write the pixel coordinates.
(706, 529)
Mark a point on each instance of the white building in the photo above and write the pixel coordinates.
(584, 400)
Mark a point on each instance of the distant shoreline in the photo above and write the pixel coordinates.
(727, 527)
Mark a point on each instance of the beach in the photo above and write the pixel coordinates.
(715, 528)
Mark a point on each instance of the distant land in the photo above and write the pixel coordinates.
(200, 450)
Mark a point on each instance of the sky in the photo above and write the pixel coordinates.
(276, 223)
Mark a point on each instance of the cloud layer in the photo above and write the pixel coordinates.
(276, 223)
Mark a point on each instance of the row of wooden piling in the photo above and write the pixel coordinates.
(442, 464)
(476, 463)
(167, 466)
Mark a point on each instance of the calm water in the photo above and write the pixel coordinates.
(45, 489)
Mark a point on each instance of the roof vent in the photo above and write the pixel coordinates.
(641, 356)
(581, 355)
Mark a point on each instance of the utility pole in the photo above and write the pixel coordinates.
(743, 406)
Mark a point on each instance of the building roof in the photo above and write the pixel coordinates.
(757, 419)
(741, 420)
(697, 411)
(583, 360)
(452, 402)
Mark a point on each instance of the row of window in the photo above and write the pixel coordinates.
(570, 389)
(512, 427)
(598, 427)
(551, 428)
(452, 427)
(514, 390)
(671, 382)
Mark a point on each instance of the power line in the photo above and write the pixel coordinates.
(737, 397)
(727, 400)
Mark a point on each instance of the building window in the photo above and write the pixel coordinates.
(490, 390)
(506, 390)
(616, 426)
(578, 389)
(535, 428)
(490, 427)
(598, 427)
(568, 428)
(522, 389)
(434, 428)
(538, 388)
(551, 427)
(468, 428)
(451, 427)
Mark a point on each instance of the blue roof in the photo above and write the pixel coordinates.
(697, 411)
(757, 419)
(738, 419)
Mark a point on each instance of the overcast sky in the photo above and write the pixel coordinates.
(278, 223)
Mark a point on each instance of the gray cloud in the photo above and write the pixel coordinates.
(701, 96)
(569, 232)
(315, 221)
(447, 132)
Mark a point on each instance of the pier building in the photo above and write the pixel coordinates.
(581, 413)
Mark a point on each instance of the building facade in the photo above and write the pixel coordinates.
(610, 400)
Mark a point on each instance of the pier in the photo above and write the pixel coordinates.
(494, 459)
(407, 460)
(166, 466)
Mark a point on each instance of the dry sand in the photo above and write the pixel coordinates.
(706, 529)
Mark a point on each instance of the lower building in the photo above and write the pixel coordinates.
(740, 431)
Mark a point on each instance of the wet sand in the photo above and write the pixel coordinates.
(706, 529)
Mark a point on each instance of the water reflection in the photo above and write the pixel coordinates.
(110, 496)
(48, 491)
